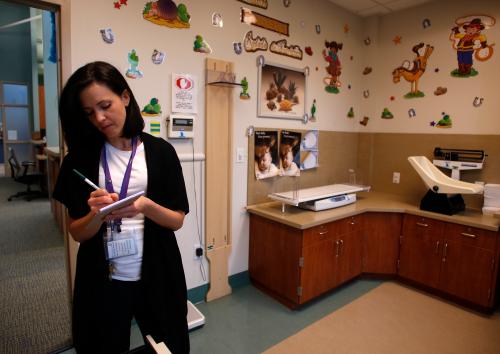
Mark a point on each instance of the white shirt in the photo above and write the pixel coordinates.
(127, 268)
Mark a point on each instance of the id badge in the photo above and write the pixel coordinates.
(120, 244)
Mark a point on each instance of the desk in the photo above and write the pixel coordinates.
(53, 158)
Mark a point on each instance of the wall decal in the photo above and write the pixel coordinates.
(244, 95)
(217, 20)
(280, 47)
(366, 93)
(440, 91)
(107, 35)
(313, 111)
(392, 98)
(477, 101)
(201, 46)
(350, 114)
(308, 51)
(286, 3)
(469, 42)
(426, 23)
(133, 72)
(444, 122)
(346, 28)
(436, 70)
(412, 74)
(281, 92)
(334, 68)
(152, 109)
(367, 41)
(257, 3)
(367, 70)
(386, 114)
(118, 4)
(154, 127)
(166, 13)
(157, 57)
(412, 113)
(318, 29)
(349, 86)
(397, 40)
(309, 150)
(237, 47)
(256, 19)
(364, 122)
(252, 44)
(266, 154)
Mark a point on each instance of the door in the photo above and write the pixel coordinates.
(350, 250)
(16, 123)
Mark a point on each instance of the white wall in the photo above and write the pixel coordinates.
(82, 43)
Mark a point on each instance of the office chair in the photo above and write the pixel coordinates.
(19, 173)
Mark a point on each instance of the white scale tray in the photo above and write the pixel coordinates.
(323, 192)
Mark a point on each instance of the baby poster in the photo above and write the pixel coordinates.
(289, 153)
(266, 154)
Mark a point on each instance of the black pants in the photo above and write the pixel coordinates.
(121, 301)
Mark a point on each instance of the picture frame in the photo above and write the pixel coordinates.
(281, 91)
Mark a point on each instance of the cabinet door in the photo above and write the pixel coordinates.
(468, 263)
(274, 254)
(381, 242)
(318, 269)
(420, 253)
(350, 251)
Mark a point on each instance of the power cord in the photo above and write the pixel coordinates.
(199, 251)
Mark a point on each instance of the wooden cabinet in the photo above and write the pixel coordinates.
(295, 266)
(421, 247)
(380, 241)
(452, 258)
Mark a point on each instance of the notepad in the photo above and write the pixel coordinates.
(119, 204)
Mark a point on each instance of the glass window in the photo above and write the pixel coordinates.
(15, 94)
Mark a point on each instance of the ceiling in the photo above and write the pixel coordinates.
(365, 8)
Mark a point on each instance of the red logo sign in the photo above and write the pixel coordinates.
(184, 83)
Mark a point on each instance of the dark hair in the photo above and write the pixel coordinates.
(78, 131)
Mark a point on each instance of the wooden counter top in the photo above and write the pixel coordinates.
(367, 202)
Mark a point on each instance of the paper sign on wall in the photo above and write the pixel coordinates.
(184, 96)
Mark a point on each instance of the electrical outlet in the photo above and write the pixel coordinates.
(395, 177)
(196, 246)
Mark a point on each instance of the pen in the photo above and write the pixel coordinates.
(86, 180)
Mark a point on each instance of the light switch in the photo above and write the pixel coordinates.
(240, 155)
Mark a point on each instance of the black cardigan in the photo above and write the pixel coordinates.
(162, 273)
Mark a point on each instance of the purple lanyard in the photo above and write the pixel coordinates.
(126, 178)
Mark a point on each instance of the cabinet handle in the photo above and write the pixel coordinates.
(437, 247)
(445, 252)
(422, 224)
(341, 247)
(323, 232)
(468, 235)
(337, 249)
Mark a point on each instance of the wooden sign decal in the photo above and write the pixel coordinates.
(257, 3)
(254, 18)
(254, 44)
(280, 47)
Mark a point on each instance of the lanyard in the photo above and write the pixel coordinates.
(126, 178)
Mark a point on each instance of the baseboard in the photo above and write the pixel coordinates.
(198, 294)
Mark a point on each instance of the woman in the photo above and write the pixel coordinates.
(102, 127)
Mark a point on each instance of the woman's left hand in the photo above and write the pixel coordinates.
(130, 210)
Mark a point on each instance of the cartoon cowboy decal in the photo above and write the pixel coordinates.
(469, 42)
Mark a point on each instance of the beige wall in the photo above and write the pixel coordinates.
(82, 43)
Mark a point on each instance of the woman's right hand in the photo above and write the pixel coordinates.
(100, 198)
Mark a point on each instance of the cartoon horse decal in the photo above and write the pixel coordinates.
(414, 73)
